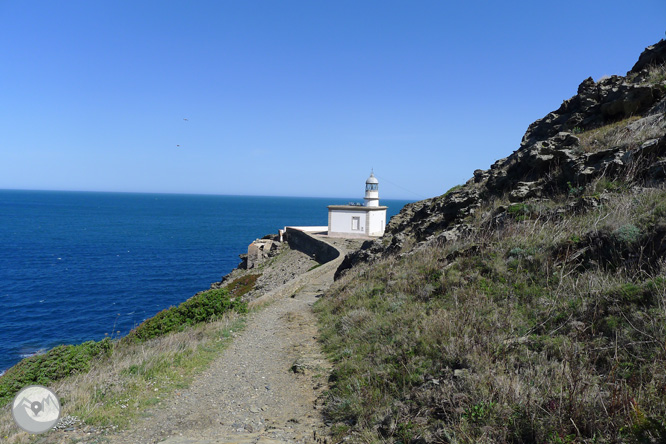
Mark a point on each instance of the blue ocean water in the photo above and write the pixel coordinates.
(76, 266)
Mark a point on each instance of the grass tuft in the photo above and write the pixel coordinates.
(630, 132)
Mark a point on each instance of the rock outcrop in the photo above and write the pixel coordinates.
(652, 56)
(552, 158)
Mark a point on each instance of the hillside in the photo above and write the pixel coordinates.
(527, 305)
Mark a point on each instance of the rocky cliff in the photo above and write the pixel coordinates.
(526, 305)
(613, 128)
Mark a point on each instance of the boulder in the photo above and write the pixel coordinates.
(525, 190)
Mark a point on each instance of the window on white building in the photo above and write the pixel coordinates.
(356, 222)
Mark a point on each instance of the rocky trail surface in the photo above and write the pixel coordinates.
(266, 387)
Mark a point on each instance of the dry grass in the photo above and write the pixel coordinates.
(607, 136)
(138, 376)
(630, 132)
(656, 74)
(509, 340)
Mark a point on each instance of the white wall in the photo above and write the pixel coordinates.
(341, 221)
(376, 222)
(371, 223)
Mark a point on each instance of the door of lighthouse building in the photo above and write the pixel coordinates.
(356, 222)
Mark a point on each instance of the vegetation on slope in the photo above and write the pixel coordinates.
(66, 360)
(203, 307)
(57, 363)
(527, 305)
(136, 378)
(546, 325)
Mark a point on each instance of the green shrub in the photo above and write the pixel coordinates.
(53, 365)
(628, 234)
(520, 211)
(637, 295)
(478, 412)
(630, 293)
(646, 429)
(574, 238)
(203, 307)
(573, 191)
(608, 185)
(516, 252)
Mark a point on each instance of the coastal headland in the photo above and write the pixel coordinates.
(527, 305)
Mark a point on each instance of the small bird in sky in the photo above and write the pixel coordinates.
(187, 120)
(178, 146)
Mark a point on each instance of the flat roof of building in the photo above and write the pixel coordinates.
(312, 229)
(355, 208)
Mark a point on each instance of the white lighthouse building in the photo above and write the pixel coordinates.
(359, 220)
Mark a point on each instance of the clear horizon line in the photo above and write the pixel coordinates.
(197, 194)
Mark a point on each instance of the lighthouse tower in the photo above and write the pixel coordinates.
(356, 220)
(371, 191)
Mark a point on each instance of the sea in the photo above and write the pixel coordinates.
(79, 266)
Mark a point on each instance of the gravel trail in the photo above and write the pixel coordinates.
(266, 387)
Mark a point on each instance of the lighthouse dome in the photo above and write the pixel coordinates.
(371, 191)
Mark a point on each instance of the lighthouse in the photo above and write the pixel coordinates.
(371, 191)
(359, 220)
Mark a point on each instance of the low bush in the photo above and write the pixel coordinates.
(51, 366)
(242, 285)
(203, 307)
(520, 211)
(66, 360)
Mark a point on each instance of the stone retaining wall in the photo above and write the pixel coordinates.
(317, 249)
(325, 249)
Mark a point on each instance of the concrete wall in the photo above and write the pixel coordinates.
(258, 251)
(315, 248)
(293, 286)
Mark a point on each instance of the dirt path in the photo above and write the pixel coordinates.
(265, 388)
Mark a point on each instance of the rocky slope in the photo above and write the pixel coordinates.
(554, 158)
(527, 305)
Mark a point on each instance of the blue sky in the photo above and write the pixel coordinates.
(292, 98)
